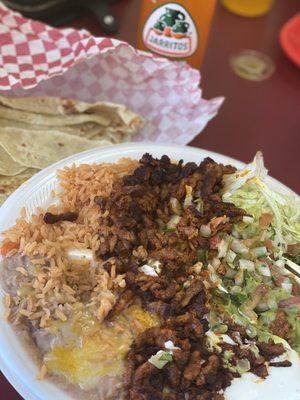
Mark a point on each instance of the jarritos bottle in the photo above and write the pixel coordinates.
(178, 30)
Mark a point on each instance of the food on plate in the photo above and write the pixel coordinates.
(38, 131)
(155, 279)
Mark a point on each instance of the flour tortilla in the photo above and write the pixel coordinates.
(45, 105)
(117, 115)
(51, 120)
(9, 184)
(87, 130)
(38, 149)
(8, 166)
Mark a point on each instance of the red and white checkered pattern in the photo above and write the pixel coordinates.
(81, 66)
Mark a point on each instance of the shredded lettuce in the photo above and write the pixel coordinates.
(247, 189)
(276, 295)
(265, 336)
(267, 317)
(293, 318)
(255, 169)
(256, 283)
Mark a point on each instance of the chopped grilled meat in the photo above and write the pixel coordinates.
(285, 363)
(261, 371)
(50, 218)
(270, 350)
(280, 325)
(139, 208)
(152, 214)
(193, 370)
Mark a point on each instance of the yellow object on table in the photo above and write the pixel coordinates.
(248, 8)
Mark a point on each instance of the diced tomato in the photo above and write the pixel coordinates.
(292, 301)
(214, 241)
(279, 281)
(278, 277)
(265, 220)
(7, 247)
(296, 289)
(269, 245)
(259, 292)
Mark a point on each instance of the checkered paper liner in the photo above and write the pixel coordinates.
(36, 59)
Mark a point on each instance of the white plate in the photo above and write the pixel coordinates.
(16, 365)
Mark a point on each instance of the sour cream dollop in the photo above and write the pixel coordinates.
(281, 384)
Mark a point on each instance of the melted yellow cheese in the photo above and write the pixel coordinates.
(91, 350)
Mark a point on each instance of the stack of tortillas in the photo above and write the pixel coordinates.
(38, 131)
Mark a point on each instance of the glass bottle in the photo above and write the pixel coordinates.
(177, 30)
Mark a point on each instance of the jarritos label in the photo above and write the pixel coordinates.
(171, 31)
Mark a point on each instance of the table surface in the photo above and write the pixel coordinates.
(256, 115)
